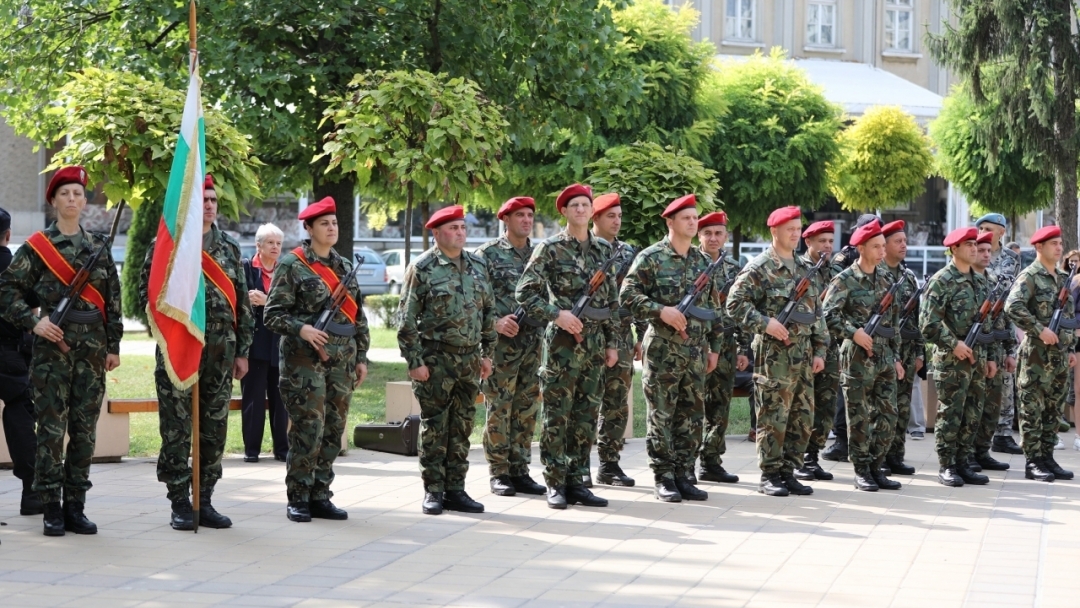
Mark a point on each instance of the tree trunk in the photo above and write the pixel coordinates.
(408, 222)
(736, 243)
(425, 215)
(341, 186)
(1064, 160)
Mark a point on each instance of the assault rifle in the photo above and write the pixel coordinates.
(981, 314)
(686, 305)
(913, 302)
(581, 306)
(334, 304)
(872, 326)
(1056, 322)
(797, 293)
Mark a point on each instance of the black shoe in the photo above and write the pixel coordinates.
(947, 476)
(210, 518)
(1005, 444)
(75, 520)
(989, 463)
(586, 479)
(31, 501)
(433, 503)
(689, 491)
(690, 475)
(974, 465)
(251, 459)
(666, 490)
(884, 482)
(969, 476)
(837, 452)
(580, 495)
(803, 473)
(300, 512)
(1034, 469)
(882, 470)
(182, 517)
(324, 509)
(715, 472)
(864, 480)
(525, 485)
(611, 474)
(794, 486)
(897, 466)
(458, 500)
(556, 497)
(813, 466)
(1055, 468)
(282, 457)
(54, 519)
(772, 485)
(502, 486)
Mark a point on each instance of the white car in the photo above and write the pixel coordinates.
(395, 266)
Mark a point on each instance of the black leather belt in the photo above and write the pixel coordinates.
(803, 318)
(345, 330)
(449, 348)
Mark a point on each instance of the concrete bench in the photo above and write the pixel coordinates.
(113, 437)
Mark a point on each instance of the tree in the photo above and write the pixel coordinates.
(884, 160)
(122, 129)
(1028, 51)
(1001, 182)
(775, 135)
(423, 134)
(647, 178)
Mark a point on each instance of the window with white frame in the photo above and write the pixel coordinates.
(899, 20)
(821, 23)
(740, 19)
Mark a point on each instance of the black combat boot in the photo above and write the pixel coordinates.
(298, 511)
(54, 519)
(666, 490)
(502, 486)
(812, 465)
(458, 500)
(525, 485)
(969, 476)
(75, 520)
(324, 509)
(556, 497)
(580, 495)
(182, 518)
(209, 516)
(974, 464)
(1055, 468)
(586, 479)
(838, 451)
(611, 474)
(432, 505)
(989, 463)
(794, 486)
(884, 482)
(31, 500)
(688, 490)
(947, 476)
(1005, 444)
(864, 480)
(773, 485)
(715, 472)
(897, 467)
(1034, 469)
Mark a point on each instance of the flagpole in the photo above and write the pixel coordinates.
(195, 468)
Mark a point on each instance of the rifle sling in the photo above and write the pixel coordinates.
(349, 307)
(62, 270)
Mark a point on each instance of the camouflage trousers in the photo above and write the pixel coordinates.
(904, 389)
(1043, 380)
(673, 379)
(316, 396)
(174, 416)
(718, 388)
(67, 392)
(571, 380)
(960, 388)
(991, 411)
(447, 408)
(783, 387)
(615, 408)
(1008, 405)
(512, 396)
(869, 385)
(826, 386)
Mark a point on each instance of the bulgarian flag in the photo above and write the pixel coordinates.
(176, 304)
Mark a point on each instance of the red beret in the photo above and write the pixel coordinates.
(683, 202)
(512, 205)
(818, 228)
(445, 215)
(570, 192)
(892, 228)
(985, 237)
(1045, 234)
(66, 175)
(604, 202)
(782, 215)
(960, 235)
(865, 233)
(716, 218)
(324, 207)
(208, 183)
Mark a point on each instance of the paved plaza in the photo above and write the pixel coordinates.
(1011, 543)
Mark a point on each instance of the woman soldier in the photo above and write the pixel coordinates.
(67, 369)
(319, 369)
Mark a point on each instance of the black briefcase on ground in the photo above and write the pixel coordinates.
(393, 437)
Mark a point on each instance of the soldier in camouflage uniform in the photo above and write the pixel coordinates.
(447, 336)
(785, 358)
(230, 328)
(948, 311)
(571, 372)
(316, 393)
(1045, 356)
(512, 392)
(869, 361)
(678, 349)
(67, 387)
(720, 383)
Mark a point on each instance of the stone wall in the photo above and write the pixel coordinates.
(22, 188)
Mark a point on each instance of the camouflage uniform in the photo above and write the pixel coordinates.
(316, 394)
(911, 348)
(783, 375)
(1044, 370)
(1000, 343)
(720, 383)
(512, 392)
(673, 369)
(67, 389)
(868, 382)
(448, 324)
(571, 374)
(827, 381)
(226, 338)
(1006, 262)
(947, 312)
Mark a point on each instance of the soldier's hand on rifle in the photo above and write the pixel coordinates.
(361, 374)
(899, 370)
(1048, 337)
(742, 362)
(710, 365)
(991, 369)
(962, 351)
(507, 326)
(611, 357)
(567, 322)
(239, 367)
(313, 336)
(777, 330)
(864, 340)
(420, 374)
(48, 330)
(485, 368)
(112, 362)
(637, 352)
(674, 318)
(817, 366)
(1010, 364)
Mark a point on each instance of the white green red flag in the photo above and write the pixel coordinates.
(176, 304)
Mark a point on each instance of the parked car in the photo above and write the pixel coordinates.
(395, 266)
(372, 276)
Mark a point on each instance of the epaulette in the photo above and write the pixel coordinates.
(476, 258)
(426, 259)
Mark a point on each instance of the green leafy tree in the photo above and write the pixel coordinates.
(775, 135)
(419, 133)
(647, 178)
(884, 160)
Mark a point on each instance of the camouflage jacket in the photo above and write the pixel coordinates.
(909, 333)
(298, 296)
(726, 274)
(1032, 300)
(1004, 262)
(1003, 331)
(440, 303)
(821, 282)
(625, 320)
(850, 301)
(948, 309)
(504, 267)
(29, 278)
(761, 291)
(557, 275)
(659, 277)
(226, 251)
